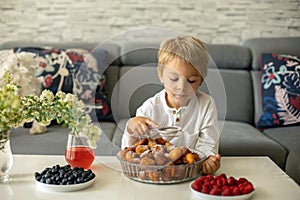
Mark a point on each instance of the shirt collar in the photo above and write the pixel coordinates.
(165, 105)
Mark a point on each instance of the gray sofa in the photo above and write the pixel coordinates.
(131, 78)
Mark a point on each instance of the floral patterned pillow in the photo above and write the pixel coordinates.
(280, 84)
(74, 71)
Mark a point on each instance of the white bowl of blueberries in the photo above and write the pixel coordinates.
(64, 178)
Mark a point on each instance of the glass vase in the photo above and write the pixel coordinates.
(78, 152)
(6, 159)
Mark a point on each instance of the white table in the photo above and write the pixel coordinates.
(270, 181)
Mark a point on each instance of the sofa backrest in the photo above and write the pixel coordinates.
(230, 64)
(137, 79)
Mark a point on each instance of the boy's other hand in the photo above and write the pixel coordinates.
(211, 164)
(140, 125)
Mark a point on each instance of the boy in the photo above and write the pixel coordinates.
(182, 67)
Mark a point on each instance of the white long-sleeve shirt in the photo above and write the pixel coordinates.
(198, 121)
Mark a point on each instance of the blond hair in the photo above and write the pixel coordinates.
(189, 49)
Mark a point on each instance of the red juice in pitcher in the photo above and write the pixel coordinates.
(80, 156)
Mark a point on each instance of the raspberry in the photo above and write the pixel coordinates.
(198, 182)
(215, 192)
(221, 181)
(226, 192)
(247, 189)
(197, 187)
(205, 190)
(231, 181)
(236, 191)
(221, 176)
(242, 180)
(213, 182)
(209, 177)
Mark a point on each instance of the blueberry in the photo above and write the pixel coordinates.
(47, 175)
(79, 180)
(37, 174)
(48, 181)
(64, 181)
(38, 178)
(71, 177)
(69, 183)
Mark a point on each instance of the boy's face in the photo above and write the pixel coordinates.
(181, 82)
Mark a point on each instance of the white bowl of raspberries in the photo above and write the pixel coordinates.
(222, 187)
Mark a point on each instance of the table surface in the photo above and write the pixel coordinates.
(269, 180)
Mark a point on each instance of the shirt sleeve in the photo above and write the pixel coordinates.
(143, 111)
(208, 140)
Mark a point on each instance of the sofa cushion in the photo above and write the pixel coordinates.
(280, 90)
(55, 140)
(288, 137)
(292, 167)
(241, 139)
(279, 45)
(118, 134)
(52, 143)
(106, 145)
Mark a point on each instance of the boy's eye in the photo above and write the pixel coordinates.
(191, 81)
(173, 78)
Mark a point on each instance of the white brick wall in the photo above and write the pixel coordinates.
(214, 21)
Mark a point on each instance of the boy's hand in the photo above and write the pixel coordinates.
(211, 164)
(140, 125)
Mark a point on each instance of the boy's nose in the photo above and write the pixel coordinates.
(182, 85)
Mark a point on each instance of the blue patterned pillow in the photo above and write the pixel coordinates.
(280, 84)
(62, 69)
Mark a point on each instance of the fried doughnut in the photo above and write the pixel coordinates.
(131, 155)
(130, 148)
(148, 153)
(180, 172)
(196, 157)
(169, 146)
(161, 141)
(123, 153)
(153, 175)
(185, 150)
(160, 158)
(168, 172)
(141, 148)
(189, 158)
(142, 175)
(151, 143)
(179, 161)
(176, 154)
(135, 160)
(142, 141)
(147, 161)
(158, 148)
